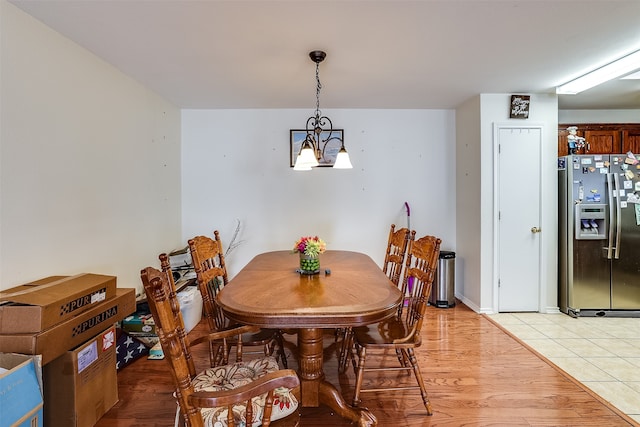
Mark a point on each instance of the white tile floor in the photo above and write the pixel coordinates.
(602, 353)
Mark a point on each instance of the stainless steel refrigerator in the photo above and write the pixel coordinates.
(599, 235)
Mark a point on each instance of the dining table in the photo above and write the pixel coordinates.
(349, 291)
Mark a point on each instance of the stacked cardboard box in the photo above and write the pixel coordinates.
(69, 321)
(81, 385)
(54, 315)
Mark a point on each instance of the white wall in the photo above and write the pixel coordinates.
(236, 167)
(469, 264)
(598, 116)
(483, 112)
(89, 161)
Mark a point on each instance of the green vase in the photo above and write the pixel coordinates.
(309, 264)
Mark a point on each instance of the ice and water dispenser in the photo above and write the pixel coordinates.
(590, 221)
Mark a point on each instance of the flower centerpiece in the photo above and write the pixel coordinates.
(310, 248)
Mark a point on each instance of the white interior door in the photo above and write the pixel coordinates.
(519, 217)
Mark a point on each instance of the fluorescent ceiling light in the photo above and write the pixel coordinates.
(618, 68)
(632, 76)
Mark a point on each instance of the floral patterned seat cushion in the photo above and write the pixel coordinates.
(232, 376)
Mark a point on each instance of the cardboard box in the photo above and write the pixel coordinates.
(69, 334)
(36, 306)
(81, 385)
(20, 390)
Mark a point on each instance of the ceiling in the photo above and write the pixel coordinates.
(380, 54)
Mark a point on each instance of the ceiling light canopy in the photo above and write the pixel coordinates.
(320, 133)
(621, 67)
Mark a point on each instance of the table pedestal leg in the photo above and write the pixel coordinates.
(315, 389)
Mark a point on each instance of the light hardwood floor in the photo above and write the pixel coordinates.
(603, 353)
(475, 372)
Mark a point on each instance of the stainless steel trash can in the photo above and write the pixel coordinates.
(443, 289)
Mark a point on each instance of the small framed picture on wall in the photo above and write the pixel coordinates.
(520, 106)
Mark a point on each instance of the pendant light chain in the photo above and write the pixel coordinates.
(318, 87)
(320, 133)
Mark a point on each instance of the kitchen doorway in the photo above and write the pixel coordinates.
(518, 217)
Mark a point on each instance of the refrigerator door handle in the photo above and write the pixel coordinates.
(610, 241)
(616, 181)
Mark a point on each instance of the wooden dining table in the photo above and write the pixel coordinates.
(350, 290)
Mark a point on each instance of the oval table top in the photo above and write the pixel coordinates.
(270, 293)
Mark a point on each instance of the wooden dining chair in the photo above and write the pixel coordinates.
(402, 332)
(211, 275)
(394, 257)
(226, 395)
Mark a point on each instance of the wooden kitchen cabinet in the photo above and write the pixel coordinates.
(563, 142)
(631, 141)
(602, 141)
(602, 138)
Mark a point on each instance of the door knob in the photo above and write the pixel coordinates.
(535, 230)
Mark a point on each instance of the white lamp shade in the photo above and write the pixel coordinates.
(342, 160)
(299, 166)
(306, 158)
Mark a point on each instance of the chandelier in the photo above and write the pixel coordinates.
(319, 132)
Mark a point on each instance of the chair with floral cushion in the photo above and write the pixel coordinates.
(211, 273)
(226, 395)
(394, 257)
(401, 333)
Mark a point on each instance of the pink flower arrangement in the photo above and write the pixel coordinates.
(311, 246)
